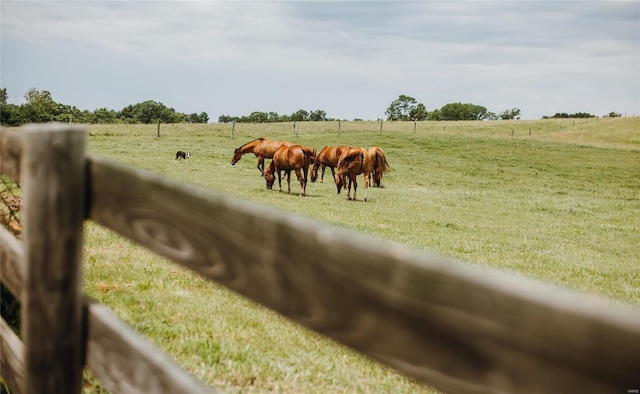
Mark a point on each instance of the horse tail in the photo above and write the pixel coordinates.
(381, 161)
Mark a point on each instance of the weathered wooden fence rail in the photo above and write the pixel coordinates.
(457, 328)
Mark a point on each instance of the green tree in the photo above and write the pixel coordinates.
(406, 108)
(3, 96)
(299, 115)
(508, 114)
(317, 115)
(459, 111)
(40, 106)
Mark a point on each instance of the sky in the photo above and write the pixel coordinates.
(350, 59)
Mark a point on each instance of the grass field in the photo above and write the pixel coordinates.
(556, 200)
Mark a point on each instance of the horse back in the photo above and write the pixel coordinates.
(353, 160)
(292, 157)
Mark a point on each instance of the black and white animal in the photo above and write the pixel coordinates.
(180, 155)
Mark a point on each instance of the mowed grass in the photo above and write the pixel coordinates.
(550, 199)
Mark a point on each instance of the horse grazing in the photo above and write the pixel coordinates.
(328, 157)
(288, 158)
(353, 162)
(263, 148)
(380, 165)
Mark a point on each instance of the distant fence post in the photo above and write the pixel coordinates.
(338, 126)
(233, 127)
(381, 126)
(53, 176)
(158, 127)
(414, 126)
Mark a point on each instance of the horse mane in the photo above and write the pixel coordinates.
(257, 139)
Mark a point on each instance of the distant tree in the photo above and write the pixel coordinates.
(613, 114)
(317, 115)
(203, 117)
(435, 114)
(273, 117)
(492, 116)
(149, 112)
(258, 117)
(40, 106)
(418, 113)
(406, 108)
(104, 116)
(459, 111)
(3, 96)
(582, 115)
(299, 115)
(564, 115)
(509, 114)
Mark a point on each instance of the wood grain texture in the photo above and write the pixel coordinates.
(11, 258)
(11, 358)
(10, 152)
(53, 174)
(457, 328)
(125, 362)
(116, 354)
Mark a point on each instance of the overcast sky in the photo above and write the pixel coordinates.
(350, 59)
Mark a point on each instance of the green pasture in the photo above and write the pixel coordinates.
(555, 200)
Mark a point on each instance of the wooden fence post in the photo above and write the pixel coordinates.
(53, 176)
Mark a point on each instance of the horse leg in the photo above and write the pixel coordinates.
(289, 182)
(367, 179)
(301, 181)
(355, 186)
(280, 179)
(261, 165)
(322, 177)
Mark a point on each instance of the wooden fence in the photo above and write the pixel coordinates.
(457, 328)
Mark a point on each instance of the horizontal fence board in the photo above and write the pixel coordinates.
(11, 256)
(116, 354)
(10, 152)
(125, 362)
(11, 358)
(458, 328)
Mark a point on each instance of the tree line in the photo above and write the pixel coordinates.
(408, 108)
(42, 108)
(273, 117)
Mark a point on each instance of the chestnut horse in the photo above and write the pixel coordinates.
(288, 158)
(263, 148)
(353, 162)
(380, 165)
(328, 157)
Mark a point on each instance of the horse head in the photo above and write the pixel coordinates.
(237, 154)
(314, 169)
(269, 175)
(341, 181)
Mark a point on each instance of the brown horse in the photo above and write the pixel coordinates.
(288, 158)
(263, 148)
(380, 165)
(328, 157)
(353, 162)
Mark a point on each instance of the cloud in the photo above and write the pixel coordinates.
(519, 52)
